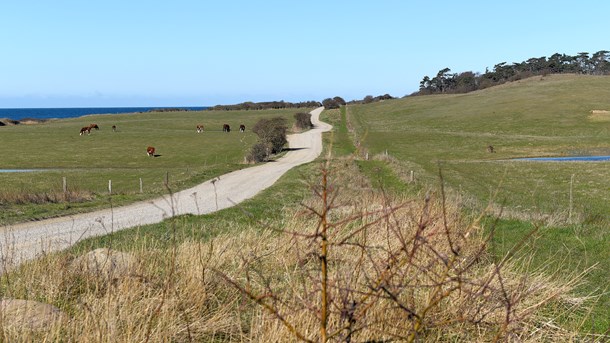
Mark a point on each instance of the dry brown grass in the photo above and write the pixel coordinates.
(599, 115)
(24, 197)
(396, 270)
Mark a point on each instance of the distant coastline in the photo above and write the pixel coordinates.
(17, 115)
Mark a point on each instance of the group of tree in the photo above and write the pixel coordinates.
(337, 101)
(265, 105)
(447, 82)
(271, 139)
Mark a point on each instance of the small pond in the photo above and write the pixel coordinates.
(567, 159)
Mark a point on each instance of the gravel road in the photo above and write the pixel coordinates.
(29, 240)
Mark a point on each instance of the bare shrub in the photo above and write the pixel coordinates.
(303, 121)
(272, 131)
(379, 271)
(259, 152)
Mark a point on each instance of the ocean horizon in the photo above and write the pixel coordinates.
(74, 112)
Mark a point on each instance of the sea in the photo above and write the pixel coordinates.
(73, 112)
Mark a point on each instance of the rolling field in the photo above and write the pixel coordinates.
(88, 162)
(547, 116)
(568, 203)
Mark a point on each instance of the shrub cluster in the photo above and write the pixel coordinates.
(271, 138)
(265, 105)
(303, 120)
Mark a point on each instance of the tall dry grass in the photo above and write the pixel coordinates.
(352, 265)
(26, 197)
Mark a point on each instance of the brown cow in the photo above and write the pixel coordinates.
(242, 128)
(199, 128)
(93, 126)
(113, 128)
(226, 128)
(150, 151)
(86, 130)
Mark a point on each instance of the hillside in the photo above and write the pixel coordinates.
(557, 115)
(564, 208)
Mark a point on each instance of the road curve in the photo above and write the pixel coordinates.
(29, 240)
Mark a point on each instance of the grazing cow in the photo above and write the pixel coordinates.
(86, 130)
(94, 126)
(242, 128)
(226, 128)
(490, 149)
(113, 128)
(199, 128)
(150, 151)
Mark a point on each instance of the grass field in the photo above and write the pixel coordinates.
(534, 117)
(541, 116)
(173, 294)
(88, 162)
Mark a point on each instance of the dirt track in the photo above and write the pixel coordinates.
(29, 240)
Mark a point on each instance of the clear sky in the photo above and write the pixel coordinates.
(79, 53)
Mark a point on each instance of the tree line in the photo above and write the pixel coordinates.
(336, 102)
(583, 63)
(249, 105)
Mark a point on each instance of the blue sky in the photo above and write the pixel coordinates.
(196, 53)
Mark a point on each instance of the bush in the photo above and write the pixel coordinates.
(272, 132)
(303, 120)
(259, 152)
(329, 104)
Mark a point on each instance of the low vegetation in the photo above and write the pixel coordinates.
(303, 121)
(271, 139)
(350, 264)
(248, 106)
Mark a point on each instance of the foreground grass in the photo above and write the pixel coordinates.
(185, 158)
(193, 275)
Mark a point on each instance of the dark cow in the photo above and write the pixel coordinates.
(86, 130)
(113, 128)
(150, 151)
(199, 128)
(93, 126)
(490, 149)
(226, 128)
(242, 128)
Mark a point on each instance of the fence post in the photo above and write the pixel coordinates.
(141, 186)
(109, 186)
(166, 179)
(65, 185)
(412, 177)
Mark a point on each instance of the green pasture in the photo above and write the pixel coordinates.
(88, 162)
(535, 117)
(541, 116)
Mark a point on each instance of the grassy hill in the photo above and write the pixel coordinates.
(542, 116)
(567, 204)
